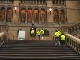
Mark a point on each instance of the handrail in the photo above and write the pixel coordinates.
(71, 29)
(73, 42)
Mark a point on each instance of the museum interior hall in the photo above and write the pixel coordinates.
(17, 17)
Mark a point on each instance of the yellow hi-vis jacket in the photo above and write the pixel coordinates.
(38, 32)
(32, 31)
(57, 34)
(62, 37)
(42, 31)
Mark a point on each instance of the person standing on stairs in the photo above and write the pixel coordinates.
(32, 31)
(38, 33)
(62, 41)
(42, 33)
(57, 41)
(59, 35)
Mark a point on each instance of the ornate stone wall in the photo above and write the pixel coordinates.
(73, 11)
(13, 32)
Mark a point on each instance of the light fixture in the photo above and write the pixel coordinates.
(15, 9)
(50, 10)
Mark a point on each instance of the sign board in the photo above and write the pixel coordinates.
(21, 35)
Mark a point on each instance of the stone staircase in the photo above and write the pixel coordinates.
(35, 49)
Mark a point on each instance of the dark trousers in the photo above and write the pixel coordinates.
(32, 36)
(62, 42)
(39, 37)
(57, 41)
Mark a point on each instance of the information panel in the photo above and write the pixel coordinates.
(21, 35)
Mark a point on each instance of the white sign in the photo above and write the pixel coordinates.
(21, 35)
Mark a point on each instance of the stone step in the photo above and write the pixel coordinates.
(35, 49)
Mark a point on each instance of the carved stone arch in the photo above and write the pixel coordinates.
(36, 14)
(42, 7)
(69, 30)
(62, 15)
(9, 13)
(78, 26)
(56, 15)
(42, 14)
(45, 13)
(45, 9)
(75, 27)
(29, 14)
(2, 13)
(23, 6)
(22, 12)
(30, 8)
(36, 7)
(72, 28)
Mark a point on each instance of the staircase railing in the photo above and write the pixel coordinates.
(71, 29)
(2, 34)
(73, 42)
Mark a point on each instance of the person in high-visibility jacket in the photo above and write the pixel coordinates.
(32, 33)
(57, 38)
(42, 33)
(59, 32)
(33, 27)
(38, 33)
(62, 41)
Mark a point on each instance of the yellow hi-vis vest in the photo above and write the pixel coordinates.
(62, 37)
(57, 34)
(32, 31)
(42, 31)
(38, 32)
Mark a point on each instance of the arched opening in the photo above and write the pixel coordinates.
(9, 14)
(75, 28)
(72, 29)
(23, 15)
(69, 30)
(79, 26)
(2, 14)
(62, 16)
(42, 15)
(56, 16)
(36, 15)
(29, 15)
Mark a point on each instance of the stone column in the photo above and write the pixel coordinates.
(59, 16)
(33, 15)
(45, 16)
(26, 15)
(49, 16)
(39, 16)
(16, 15)
(5, 15)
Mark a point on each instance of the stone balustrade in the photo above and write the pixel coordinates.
(73, 42)
(2, 38)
